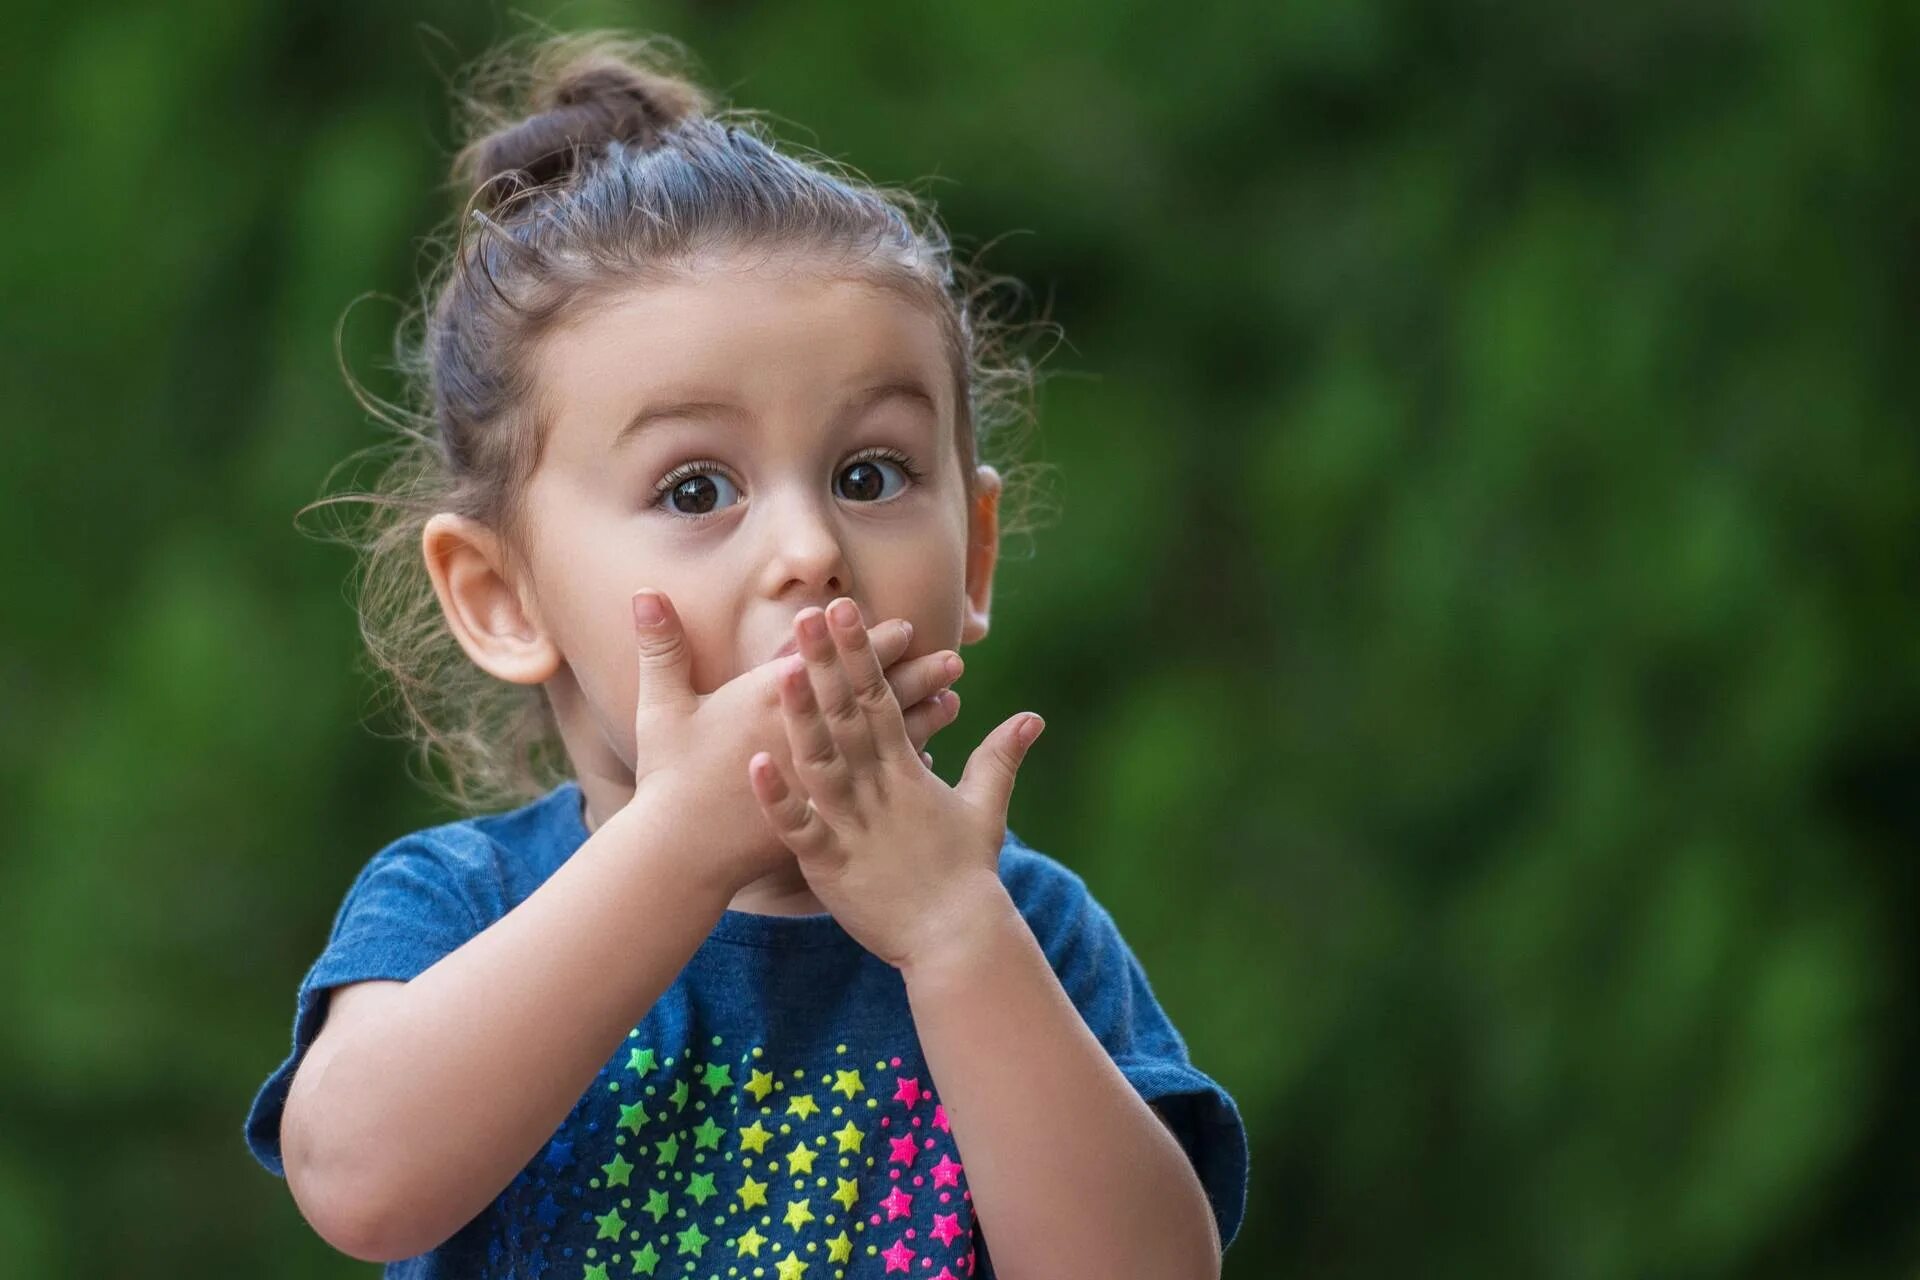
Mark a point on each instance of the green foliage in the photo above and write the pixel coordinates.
(1476, 637)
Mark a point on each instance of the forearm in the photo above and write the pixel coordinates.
(447, 1090)
(1071, 1172)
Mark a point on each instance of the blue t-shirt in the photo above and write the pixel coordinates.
(772, 1114)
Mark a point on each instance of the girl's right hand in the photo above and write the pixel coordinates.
(691, 750)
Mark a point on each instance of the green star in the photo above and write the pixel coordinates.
(717, 1077)
(679, 1094)
(645, 1260)
(707, 1134)
(633, 1117)
(691, 1241)
(656, 1204)
(611, 1224)
(641, 1061)
(598, 1271)
(701, 1187)
(669, 1150)
(617, 1171)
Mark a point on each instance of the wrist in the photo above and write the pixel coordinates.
(974, 922)
(656, 822)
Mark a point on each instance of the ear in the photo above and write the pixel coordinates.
(483, 607)
(983, 551)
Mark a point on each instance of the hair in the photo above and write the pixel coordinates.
(588, 166)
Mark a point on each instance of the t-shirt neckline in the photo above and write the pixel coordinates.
(749, 927)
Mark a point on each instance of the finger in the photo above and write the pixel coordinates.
(787, 811)
(822, 770)
(918, 679)
(665, 661)
(886, 730)
(890, 640)
(928, 717)
(845, 718)
(987, 781)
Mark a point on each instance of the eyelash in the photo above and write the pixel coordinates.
(700, 466)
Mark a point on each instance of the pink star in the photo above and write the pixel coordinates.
(899, 1257)
(946, 1226)
(909, 1090)
(945, 1275)
(903, 1150)
(946, 1173)
(940, 1118)
(899, 1204)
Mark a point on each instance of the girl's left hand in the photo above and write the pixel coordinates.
(888, 847)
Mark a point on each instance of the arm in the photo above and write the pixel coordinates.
(407, 1118)
(1064, 1159)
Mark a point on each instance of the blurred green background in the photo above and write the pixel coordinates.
(1475, 631)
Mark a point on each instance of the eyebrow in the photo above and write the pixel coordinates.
(859, 402)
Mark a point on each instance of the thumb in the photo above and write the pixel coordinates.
(987, 781)
(665, 675)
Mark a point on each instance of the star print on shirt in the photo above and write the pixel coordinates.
(712, 1175)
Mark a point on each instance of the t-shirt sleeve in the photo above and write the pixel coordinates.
(1107, 983)
(412, 904)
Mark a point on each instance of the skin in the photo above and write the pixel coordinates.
(788, 524)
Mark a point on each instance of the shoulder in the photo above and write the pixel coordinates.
(473, 868)
(480, 866)
(1039, 884)
(1067, 919)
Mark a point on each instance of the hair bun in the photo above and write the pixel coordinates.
(577, 93)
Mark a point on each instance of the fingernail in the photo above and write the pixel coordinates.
(845, 612)
(647, 609)
(1030, 730)
(955, 667)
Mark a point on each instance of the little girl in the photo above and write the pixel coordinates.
(749, 990)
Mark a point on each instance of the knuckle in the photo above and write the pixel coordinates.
(662, 648)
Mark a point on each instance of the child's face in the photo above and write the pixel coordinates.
(775, 365)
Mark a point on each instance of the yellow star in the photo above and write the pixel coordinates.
(849, 1192)
(791, 1268)
(839, 1249)
(798, 1215)
(801, 1105)
(760, 1084)
(752, 1193)
(800, 1159)
(754, 1138)
(751, 1241)
(850, 1137)
(847, 1082)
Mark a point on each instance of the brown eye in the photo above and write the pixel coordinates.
(694, 491)
(866, 482)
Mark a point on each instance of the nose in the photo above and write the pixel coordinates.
(807, 550)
